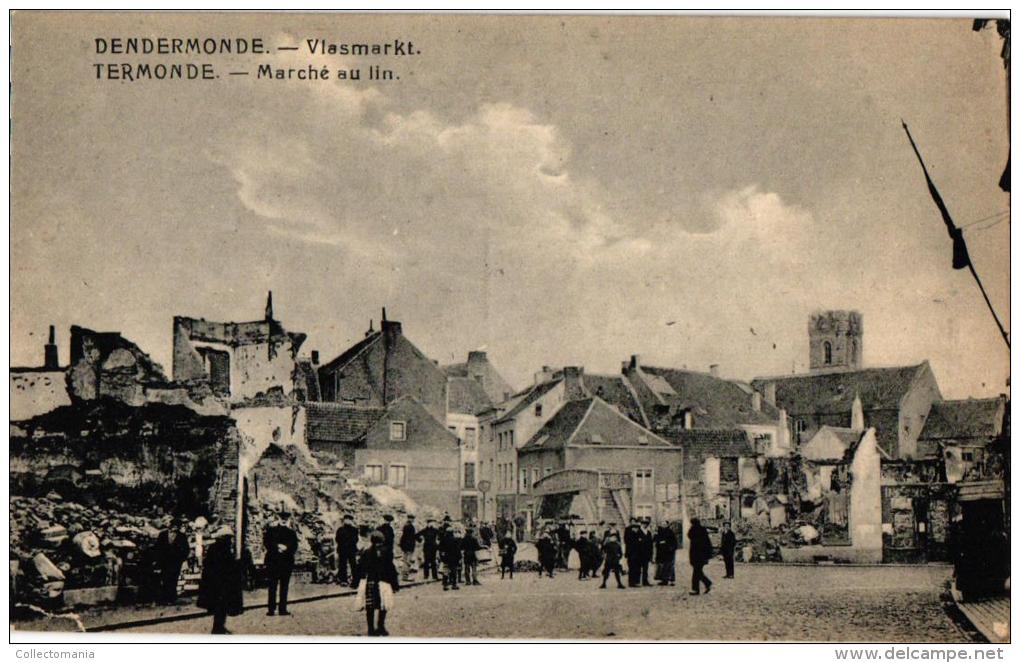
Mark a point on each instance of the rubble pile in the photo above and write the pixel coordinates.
(57, 545)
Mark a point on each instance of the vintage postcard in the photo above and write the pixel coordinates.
(529, 327)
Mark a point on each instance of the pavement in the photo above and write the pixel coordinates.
(764, 602)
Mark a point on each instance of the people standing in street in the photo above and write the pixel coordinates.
(584, 555)
(221, 589)
(700, 553)
(547, 554)
(613, 553)
(408, 542)
(564, 543)
(451, 553)
(486, 534)
(646, 550)
(346, 549)
(596, 553)
(281, 544)
(377, 582)
(171, 551)
(665, 555)
(632, 552)
(507, 552)
(471, 545)
(728, 547)
(388, 534)
(430, 538)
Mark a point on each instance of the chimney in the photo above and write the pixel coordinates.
(315, 357)
(857, 414)
(391, 328)
(573, 383)
(770, 393)
(635, 361)
(756, 401)
(370, 329)
(50, 359)
(477, 356)
(269, 306)
(714, 370)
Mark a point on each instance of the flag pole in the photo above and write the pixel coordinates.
(960, 253)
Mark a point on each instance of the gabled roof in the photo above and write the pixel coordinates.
(614, 390)
(971, 418)
(338, 422)
(719, 443)
(466, 396)
(714, 402)
(878, 388)
(591, 422)
(350, 353)
(831, 444)
(533, 394)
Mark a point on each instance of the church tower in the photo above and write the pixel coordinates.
(836, 341)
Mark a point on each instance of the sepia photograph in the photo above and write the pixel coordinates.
(557, 327)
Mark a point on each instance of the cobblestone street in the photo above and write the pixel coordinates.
(830, 604)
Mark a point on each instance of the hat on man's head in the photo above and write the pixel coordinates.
(348, 516)
(377, 537)
(388, 517)
(410, 516)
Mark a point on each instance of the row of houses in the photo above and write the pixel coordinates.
(871, 454)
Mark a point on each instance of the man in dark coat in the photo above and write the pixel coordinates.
(487, 535)
(584, 554)
(347, 548)
(281, 544)
(451, 552)
(389, 535)
(471, 546)
(665, 555)
(221, 589)
(408, 542)
(728, 547)
(507, 552)
(633, 553)
(595, 546)
(613, 553)
(646, 550)
(700, 552)
(429, 538)
(547, 554)
(171, 551)
(564, 543)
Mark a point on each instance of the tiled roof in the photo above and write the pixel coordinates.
(975, 421)
(339, 422)
(614, 390)
(591, 422)
(530, 397)
(714, 402)
(466, 396)
(350, 353)
(716, 443)
(878, 388)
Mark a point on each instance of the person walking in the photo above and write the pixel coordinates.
(507, 552)
(613, 553)
(408, 542)
(665, 555)
(429, 538)
(451, 552)
(388, 534)
(281, 544)
(377, 582)
(700, 553)
(346, 549)
(221, 588)
(728, 547)
(471, 546)
(171, 551)
(547, 554)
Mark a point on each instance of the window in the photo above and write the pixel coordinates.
(800, 426)
(523, 488)
(642, 440)
(398, 431)
(967, 456)
(469, 475)
(643, 482)
(538, 409)
(510, 441)
(374, 473)
(470, 438)
(535, 476)
(827, 349)
(398, 476)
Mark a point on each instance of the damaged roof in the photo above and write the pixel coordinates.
(719, 443)
(591, 422)
(614, 390)
(338, 422)
(976, 421)
(466, 396)
(714, 402)
(878, 388)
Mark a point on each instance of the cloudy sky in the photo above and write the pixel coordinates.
(553, 190)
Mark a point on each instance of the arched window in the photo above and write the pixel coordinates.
(828, 352)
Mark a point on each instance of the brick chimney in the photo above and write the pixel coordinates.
(573, 383)
(315, 357)
(50, 359)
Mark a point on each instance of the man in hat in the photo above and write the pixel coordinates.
(564, 542)
(700, 553)
(281, 544)
(646, 549)
(221, 589)
(171, 551)
(613, 553)
(632, 552)
(451, 552)
(584, 554)
(728, 547)
(347, 548)
(388, 534)
(408, 542)
(429, 538)
(471, 546)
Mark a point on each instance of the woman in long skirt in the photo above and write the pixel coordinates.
(377, 581)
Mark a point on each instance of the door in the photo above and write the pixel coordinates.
(469, 507)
